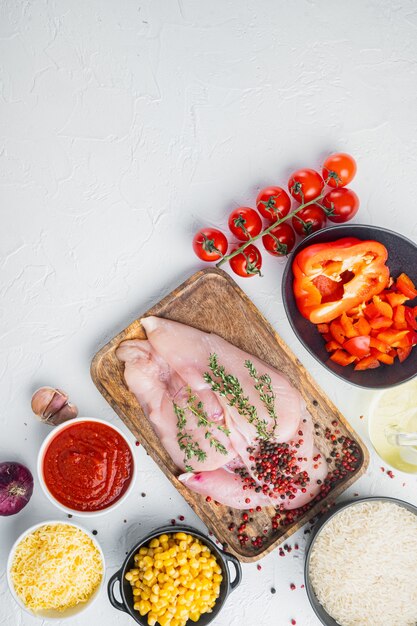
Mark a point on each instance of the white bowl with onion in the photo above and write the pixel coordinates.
(40, 468)
(54, 614)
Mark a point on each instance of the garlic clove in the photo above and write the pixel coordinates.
(52, 406)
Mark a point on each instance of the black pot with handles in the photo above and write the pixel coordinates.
(223, 558)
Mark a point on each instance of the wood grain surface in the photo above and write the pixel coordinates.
(211, 301)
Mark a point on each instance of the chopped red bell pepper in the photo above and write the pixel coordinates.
(382, 356)
(332, 278)
(399, 317)
(405, 285)
(403, 353)
(382, 307)
(362, 326)
(323, 328)
(394, 338)
(367, 363)
(348, 328)
(358, 346)
(395, 298)
(381, 322)
(410, 318)
(332, 346)
(337, 332)
(342, 358)
(381, 346)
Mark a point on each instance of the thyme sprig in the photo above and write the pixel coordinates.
(263, 384)
(187, 444)
(229, 387)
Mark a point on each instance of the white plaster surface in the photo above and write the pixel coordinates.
(124, 126)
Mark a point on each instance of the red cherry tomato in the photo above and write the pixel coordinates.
(305, 185)
(280, 240)
(273, 203)
(339, 169)
(343, 203)
(247, 263)
(309, 220)
(210, 244)
(245, 223)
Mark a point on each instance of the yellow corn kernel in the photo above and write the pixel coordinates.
(137, 592)
(143, 551)
(154, 598)
(148, 575)
(154, 543)
(152, 619)
(158, 564)
(180, 536)
(155, 589)
(129, 576)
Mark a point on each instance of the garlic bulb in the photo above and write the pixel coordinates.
(52, 406)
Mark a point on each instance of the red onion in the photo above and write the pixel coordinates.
(16, 487)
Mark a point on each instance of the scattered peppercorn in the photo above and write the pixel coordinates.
(143, 494)
(293, 622)
(292, 586)
(94, 532)
(137, 443)
(273, 590)
(69, 515)
(181, 518)
(208, 499)
(173, 522)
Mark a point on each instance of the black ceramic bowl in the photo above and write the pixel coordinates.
(402, 257)
(223, 558)
(323, 616)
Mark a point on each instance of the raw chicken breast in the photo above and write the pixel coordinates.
(169, 365)
(187, 350)
(156, 386)
(225, 487)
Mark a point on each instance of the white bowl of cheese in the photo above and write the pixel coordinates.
(55, 570)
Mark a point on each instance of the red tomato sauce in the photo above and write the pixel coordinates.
(88, 466)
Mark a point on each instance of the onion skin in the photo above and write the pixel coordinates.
(51, 406)
(16, 487)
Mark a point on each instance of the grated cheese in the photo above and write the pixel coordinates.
(363, 565)
(56, 567)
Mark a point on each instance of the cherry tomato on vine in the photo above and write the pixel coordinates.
(343, 204)
(248, 262)
(273, 203)
(280, 241)
(245, 223)
(309, 220)
(339, 169)
(305, 185)
(210, 244)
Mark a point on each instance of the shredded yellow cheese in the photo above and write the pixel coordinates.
(56, 567)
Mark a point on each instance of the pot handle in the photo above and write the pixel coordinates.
(238, 570)
(117, 605)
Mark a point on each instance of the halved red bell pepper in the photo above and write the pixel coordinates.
(332, 278)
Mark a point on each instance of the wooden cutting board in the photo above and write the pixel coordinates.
(211, 301)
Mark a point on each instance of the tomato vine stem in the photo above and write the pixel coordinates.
(244, 245)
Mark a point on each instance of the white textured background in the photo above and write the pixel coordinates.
(125, 126)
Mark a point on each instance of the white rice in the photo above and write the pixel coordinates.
(363, 565)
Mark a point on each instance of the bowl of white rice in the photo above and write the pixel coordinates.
(361, 564)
